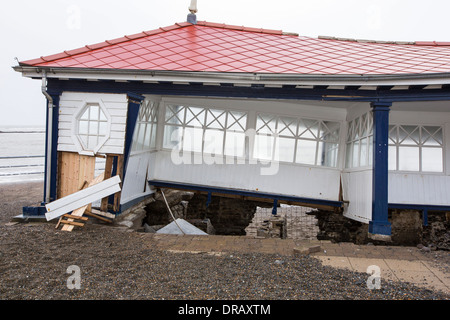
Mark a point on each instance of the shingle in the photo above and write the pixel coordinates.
(219, 47)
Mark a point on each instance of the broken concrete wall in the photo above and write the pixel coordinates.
(437, 233)
(406, 227)
(157, 213)
(337, 228)
(229, 216)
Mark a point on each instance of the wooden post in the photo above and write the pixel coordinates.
(108, 172)
(120, 173)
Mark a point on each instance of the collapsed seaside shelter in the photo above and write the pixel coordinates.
(361, 126)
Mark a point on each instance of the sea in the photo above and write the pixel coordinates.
(22, 153)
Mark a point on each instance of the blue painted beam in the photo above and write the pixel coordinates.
(286, 92)
(420, 207)
(245, 193)
(380, 223)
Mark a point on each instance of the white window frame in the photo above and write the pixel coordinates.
(420, 144)
(79, 143)
(280, 126)
(147, 123)
(359, 129)
(200, 121)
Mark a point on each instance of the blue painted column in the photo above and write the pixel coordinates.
(134, 104)
(380, 223)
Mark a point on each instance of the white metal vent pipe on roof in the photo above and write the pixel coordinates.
(192, 18)
(193, 7)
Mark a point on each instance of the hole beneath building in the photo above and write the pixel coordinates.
(231, 216)
(298, 224)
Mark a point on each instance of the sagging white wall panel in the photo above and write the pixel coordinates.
(294, 180)
(357, 189)
(92, 123)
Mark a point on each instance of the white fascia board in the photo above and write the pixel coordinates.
(83, 197)
(238, 78)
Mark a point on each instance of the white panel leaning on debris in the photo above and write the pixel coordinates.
(91, 123)
(81, 198)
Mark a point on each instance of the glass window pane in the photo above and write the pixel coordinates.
(363, 156)
(213, 142)
(92, 142)
(370, 146)
(237, 121)
(287, 126)
(392, 158)
(409, 135)
(308, 129)
(328, 154)
(266, 124)
(153, 140)
(408, 158)
(102, 116)
(306, 152)
(215, 119)
(103, 128)
(83, 127)
(175, 115)
(284, 150)
(263, 147)
(172, 137)
(84, 139)
(85, 115)
(393, 134)
(432, 136)
(147, 136)
(235, 144)
(329, 131)
(195, 116)
(348, 156)
(432, 160)
(93, 128)
(93, 113)
(355, 154)
(193, 139)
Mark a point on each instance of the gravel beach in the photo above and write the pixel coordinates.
(114, 264)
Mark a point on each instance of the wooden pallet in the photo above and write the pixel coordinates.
(78, 221)
(71, 220)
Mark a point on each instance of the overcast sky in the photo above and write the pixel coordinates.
(30, 29)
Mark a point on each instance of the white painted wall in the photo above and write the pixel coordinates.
(71, 104)
(294, 180)
(357, 189)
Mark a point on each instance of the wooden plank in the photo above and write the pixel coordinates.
(72, 223)
(75, 217)
(85, 184)
(79, 212)
(84, 197)
(88, 213)
(77, 196)
(108, 171)
(103, 213)
(73, 170)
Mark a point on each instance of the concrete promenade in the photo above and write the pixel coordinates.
(407, 264)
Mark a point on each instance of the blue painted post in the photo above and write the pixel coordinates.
(275, 207)
(380, 223)
(425, 217)
(134, 104)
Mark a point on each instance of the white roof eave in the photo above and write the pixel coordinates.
(236, 78)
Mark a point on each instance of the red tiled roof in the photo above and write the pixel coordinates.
(213, 47)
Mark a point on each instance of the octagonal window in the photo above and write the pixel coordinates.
(92, 127)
